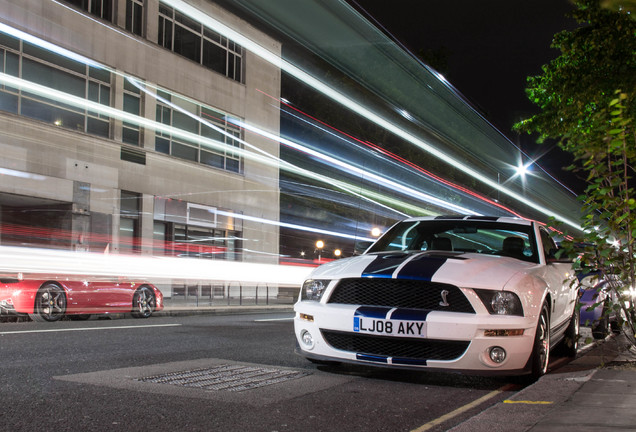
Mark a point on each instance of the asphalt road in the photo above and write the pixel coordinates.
(212, 373)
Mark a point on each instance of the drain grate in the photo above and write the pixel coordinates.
(233, 378)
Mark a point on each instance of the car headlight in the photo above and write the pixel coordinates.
(313, 289)
(501, 302)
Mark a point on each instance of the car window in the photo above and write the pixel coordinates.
(491, 238)
(549, 246)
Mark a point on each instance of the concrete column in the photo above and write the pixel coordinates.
(149, 107)
(151, 14)
(118, 92)
(80, 216)
(146, 220)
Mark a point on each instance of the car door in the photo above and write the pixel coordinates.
(561, 280)
(111, 294)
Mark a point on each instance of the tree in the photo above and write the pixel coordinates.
(587, 101)
(618, 5)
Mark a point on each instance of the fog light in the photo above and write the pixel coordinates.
(497, 354)
(307, 339)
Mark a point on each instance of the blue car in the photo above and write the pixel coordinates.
(595, 295)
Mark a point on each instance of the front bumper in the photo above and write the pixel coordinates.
(452, 341)
(7, 308)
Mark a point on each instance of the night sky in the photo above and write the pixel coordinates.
(488, 48)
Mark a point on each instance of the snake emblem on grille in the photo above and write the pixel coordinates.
(444, 302)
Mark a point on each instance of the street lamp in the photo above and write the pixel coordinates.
(319, 245)
(337, 253)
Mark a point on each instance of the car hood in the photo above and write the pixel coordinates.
(456, 268)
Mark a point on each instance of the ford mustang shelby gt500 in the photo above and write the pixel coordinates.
(49, 299)
(472, 294)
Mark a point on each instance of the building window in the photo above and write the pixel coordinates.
(134, 16)
(129, 221)
(32, 63)
(131, 132)
(190, 39)
(198, 120)
(200, 242)
(100, 8)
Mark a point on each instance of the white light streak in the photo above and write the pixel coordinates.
(53, 262)
(294, 226)
(325, 89)
(363, 173)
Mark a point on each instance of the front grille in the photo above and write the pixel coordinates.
(400, 293)
(405, 348)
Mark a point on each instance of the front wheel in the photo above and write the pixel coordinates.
(541, 348)
(50, 303)
(570, 344)
(144, 302)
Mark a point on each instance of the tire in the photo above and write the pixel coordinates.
(602, 328)
(50, 303)
(541, 348)
(144, 302)
(570, 344)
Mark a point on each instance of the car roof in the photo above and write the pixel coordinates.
(512, 220)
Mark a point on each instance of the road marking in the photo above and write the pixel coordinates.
(87, 329)
(274, 319)
(463, 409)
(508, 401)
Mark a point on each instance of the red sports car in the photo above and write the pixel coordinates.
(49, 299)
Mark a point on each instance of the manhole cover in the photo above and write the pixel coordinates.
(226, 377)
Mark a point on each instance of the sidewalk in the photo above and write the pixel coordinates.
(594, 392)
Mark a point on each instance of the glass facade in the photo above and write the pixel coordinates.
(100, 8)
(24, 60)
(57, 71)
(134, 16)
(192, 40)
(199, 120)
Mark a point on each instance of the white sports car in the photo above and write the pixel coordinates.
(462, 293)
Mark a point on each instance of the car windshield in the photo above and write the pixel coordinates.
(491, 238)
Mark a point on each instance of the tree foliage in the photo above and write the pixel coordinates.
(587, 100)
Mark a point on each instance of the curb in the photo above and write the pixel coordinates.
(529, 406)
(222, 310)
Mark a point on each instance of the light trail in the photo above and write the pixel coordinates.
(253, 153)
(15, 260)
(401, 162)
(256, 153)
(346, 167)
(353, 105)
(260, 157)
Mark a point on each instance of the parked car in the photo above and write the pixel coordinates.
(51, 298)
(596, 297)
(472, 294)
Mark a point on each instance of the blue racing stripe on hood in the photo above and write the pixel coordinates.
(385, 264)
(423, 267)
(419, 265)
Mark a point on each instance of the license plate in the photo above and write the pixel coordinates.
(400, 328)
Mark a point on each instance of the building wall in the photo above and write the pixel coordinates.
(67, 166)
